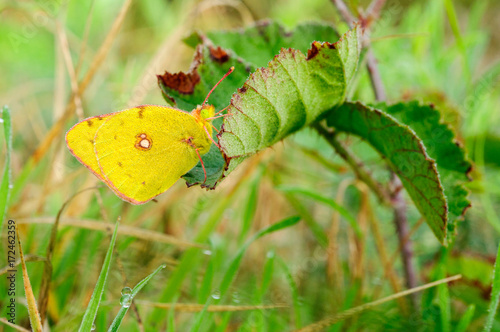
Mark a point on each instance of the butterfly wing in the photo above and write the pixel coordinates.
(80, 141)
(143, 151)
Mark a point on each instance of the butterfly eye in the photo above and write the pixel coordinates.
(143, 142)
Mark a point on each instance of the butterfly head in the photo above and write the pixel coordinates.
(204, 113)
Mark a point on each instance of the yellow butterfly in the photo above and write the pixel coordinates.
(141, 152)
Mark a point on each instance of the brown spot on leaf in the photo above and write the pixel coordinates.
(331, 46)
(183, 82)
(243, 89)
(313, 51)
(218, 54)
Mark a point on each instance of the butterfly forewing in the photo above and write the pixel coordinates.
(80, 141)
(143, 151)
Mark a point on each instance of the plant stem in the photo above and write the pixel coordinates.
(397, 199)
(356, 165)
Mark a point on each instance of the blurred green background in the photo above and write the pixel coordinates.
(421, 54)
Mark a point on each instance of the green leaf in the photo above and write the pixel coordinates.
(441, 145)
(188, 90)
(405, 154)
(95, 300)
(6, 178)
(123, 310)
(292, 92)
(304, 87)
(269, 38)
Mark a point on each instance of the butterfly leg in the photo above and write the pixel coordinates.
(202, 165)
(210, 136)
(189, 141)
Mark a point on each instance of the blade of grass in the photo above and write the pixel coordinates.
(495, 295)
(196, 307)
(14, 326)
(295, 293)
(189, 256)
(36, 323)
(6, 178)
(235, 263)
(250, 207)
(91, 312)
(232, 270)
(443, 293)
(319, 326)
(325, 200)
(464, 322)
(123, 310)
(139, 233)
(315, 228)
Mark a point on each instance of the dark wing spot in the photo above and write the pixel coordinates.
(141, 110)
(91, 141)
(90, 123)
(144, 183)
(120, 164)
(115, 137)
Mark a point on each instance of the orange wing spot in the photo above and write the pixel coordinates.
(143, 142)
(141, 110)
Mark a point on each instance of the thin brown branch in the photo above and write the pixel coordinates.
(356, 165)
(397, 199)
(375, 78)
(374, 9)
(345, 12)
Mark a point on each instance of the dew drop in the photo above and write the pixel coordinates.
(126, 291)
(164, 265)
(126, 301)
(270, 254)
(236, 297)
(216, 294)
(93, 328)
(1, 120)
(207, 252)
(11, 186)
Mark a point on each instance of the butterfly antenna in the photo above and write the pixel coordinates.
(223, 77)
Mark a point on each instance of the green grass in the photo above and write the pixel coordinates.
(441, 52)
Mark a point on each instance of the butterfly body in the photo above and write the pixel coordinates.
(141, 152)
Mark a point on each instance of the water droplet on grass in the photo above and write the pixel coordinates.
(207, 252)
(126, 301)
(216, 294)
(126, 291)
